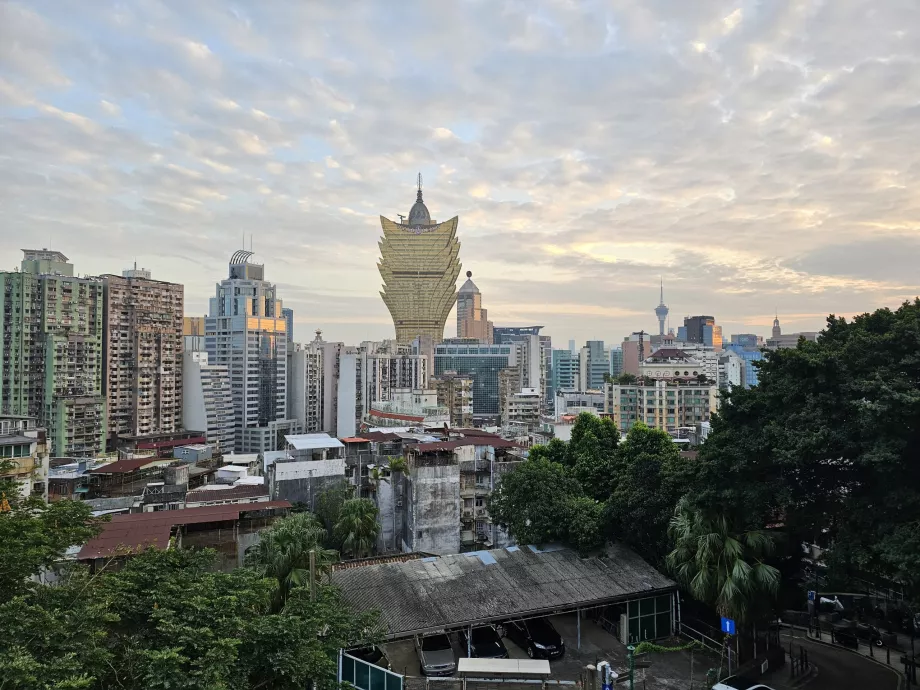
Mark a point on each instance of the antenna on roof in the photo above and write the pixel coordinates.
(420, 182)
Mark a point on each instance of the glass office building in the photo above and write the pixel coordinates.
(481, 363)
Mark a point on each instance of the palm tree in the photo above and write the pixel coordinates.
(720, 565)
(377, 475)
(283, 553)
(357, 528)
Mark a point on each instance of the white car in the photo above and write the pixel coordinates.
(740, 683)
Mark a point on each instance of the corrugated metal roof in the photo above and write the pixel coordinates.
(461, 589)
(313, 441)
(472, 441)
(127, 465)
(138, 531)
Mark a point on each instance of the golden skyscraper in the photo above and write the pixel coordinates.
(419, 265)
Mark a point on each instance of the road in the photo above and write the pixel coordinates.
(842, 668)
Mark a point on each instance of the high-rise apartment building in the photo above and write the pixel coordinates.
(472, 319)
(661, 404)
(143, 344)
(419, 264)
(246, 332)
(455, 393)
(593, 366)
(636, 347)
(482, 364)
(207, 400)
(193, 333)
(52, 360)
(306, 397)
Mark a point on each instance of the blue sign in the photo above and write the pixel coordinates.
(728, 626)
(811, 595)
(607, 686)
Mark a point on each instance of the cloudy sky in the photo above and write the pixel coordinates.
(757, 155)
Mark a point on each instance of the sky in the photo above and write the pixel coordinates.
(758, 157)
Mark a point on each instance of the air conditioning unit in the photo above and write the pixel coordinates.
(399, 503)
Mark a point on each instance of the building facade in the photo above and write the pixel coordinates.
(780, 341)
(472, 319)
(566, 375)
(455, 393)
(143, 344)
(616, 361)
(701, 330)
(207, 401)
(246, 332)
(661, 404)
(481, 363)
(419, 264)
(748, 356)
(51, 330)
(593, 366)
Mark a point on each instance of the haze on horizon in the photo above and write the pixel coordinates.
(759, 157)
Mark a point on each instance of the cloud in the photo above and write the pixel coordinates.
(755, 156)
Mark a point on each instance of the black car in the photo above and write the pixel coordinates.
(536, 636)
(372, 655)
(485, 643)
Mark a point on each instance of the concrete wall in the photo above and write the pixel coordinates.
(387, 541)
(303, 490)
(433, 515)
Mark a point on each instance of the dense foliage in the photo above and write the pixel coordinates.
(827, 447)
(593, 488)
(166, 619)
(825, 450)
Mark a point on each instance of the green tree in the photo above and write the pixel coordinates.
(283, 554)
(357, 528)
(649, 479)
(720, 565)
(626, 379)
(33, 535)
(328, 508)
(828, 444)
(554, 451)
(533, 501)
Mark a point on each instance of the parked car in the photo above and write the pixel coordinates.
(740, 683)
(536, 636)
(485, 643)
(372, 655)
(869, 634)
(435, 655)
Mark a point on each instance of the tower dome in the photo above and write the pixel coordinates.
(469, 286)
(418, 214)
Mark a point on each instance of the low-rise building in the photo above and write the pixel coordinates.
(24, 455)
(304, 481)
(576, 402)
(521, 410)
(408, 406)
(661, 404)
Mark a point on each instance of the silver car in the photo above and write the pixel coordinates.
(435, 655)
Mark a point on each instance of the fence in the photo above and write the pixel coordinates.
(366, 676)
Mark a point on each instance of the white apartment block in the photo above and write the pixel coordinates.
(207, 401)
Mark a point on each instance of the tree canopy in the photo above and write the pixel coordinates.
(827, 446)
(164, 619)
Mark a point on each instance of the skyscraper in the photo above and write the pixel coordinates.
(702, 330)
(143, 343)
(419, 264)
(52, 366)
(661, 311)
(472, 319)
(593, 364)
(245, 331)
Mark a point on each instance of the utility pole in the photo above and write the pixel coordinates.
(312, 574)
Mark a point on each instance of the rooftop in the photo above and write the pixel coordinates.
(472, 588)
(226, 493)
(128, 465)
(474, 441)
(308, 469)
(313, 441)
(138, 531)
(16, 440)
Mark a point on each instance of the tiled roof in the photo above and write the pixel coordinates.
(472, 588)
(138, 531)
(381, 436)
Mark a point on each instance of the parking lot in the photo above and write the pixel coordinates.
(668, 670)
